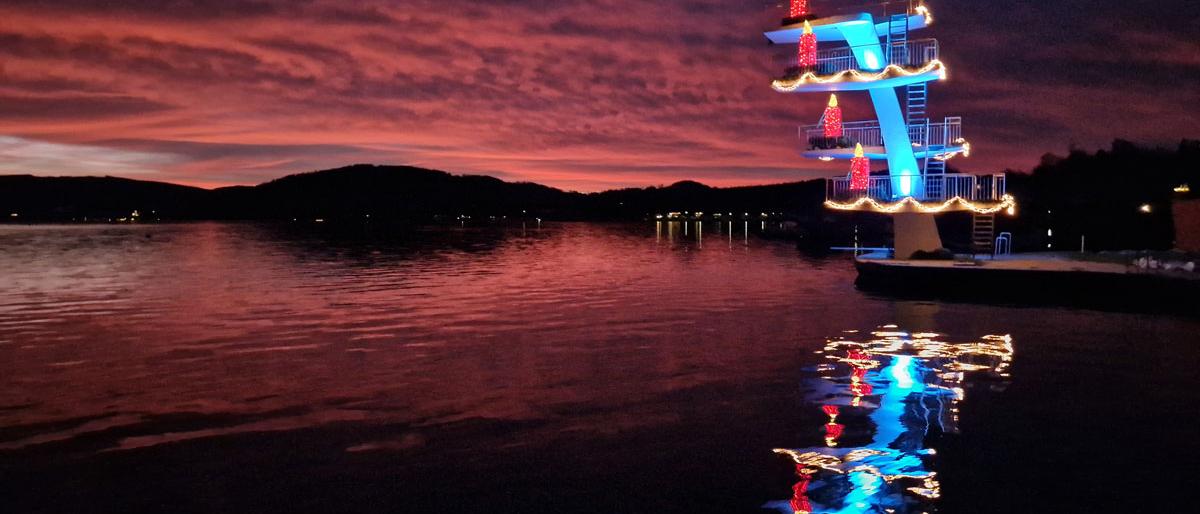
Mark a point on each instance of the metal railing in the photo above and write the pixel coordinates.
(924, 133)
(838, 189)
(909, 54)
(976, 188)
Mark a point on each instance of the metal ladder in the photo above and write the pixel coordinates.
(934, 166)
(915, 102)
(983, 233)
(897, 39)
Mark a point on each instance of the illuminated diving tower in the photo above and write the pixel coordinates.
(863, 53)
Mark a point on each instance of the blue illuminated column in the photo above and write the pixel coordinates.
(902, 163)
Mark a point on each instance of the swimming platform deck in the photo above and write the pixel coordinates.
(1032, 279)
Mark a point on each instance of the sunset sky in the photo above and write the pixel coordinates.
(583, 95)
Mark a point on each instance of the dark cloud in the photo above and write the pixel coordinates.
(577, 93)
(75, 107)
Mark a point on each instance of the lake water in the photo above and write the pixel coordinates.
(562, 368)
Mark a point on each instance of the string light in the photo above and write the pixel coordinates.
(1006, 202)
(807, 57)
(799, 8)
(965, 152)
(832, 118)
(924, 11)
(860, 170)
(891, 71)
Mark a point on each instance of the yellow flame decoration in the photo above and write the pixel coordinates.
(833, 101)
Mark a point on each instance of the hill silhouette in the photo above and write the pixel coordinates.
(97, 198)
(1093, 195)
(381, 192)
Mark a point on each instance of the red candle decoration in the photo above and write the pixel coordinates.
(833, 431)
(833, 118)
(831, 411)
(861, 389)
(800, 502)
(799, 8)
(860, 170)
(807, 57)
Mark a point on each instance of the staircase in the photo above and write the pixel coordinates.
(983, 233)
(935, 166)
(914, 105)
(897, 40)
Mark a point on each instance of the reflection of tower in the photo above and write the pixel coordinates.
(875, 55)
(899, 386)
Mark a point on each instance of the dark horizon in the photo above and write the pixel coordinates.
(1182, 144)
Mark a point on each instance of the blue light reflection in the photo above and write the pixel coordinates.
(887, 393)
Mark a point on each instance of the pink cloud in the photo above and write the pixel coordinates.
(583, 95)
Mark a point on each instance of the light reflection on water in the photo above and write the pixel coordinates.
(250, 328)
(553, 368)
(887, 392)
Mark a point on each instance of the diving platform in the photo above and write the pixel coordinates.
(946, 192)
(879, 153)
(860, 68)
(929, 140)
(873, 53)
(834, 28)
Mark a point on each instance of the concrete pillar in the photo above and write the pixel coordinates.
(915, 231)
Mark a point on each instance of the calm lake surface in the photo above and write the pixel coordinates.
(568, 368)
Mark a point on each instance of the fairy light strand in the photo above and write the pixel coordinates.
(891, 71)
(924, 11)
(1006, 202)
(832, 120)
(860, 170)
(807, 50)
(798, 8)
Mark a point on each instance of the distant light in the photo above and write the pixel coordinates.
(1183, 188)
(825, 158)
(906, 185)
(13, 215)
(1049, 232)
(1012, 210)
(1145, 208)
(320, 220)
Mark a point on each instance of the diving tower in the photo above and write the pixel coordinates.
(873, 52)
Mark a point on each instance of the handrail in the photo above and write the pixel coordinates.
(939, 187)
(914, 53)
(875, 7)
(1003, 244)
(868, 133)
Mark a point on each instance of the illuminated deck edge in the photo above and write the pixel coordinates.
(876, 153)
(912, 205)
(854, 80)
(830, 29)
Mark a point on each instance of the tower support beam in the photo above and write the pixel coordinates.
(915, 232)
(902, 164)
